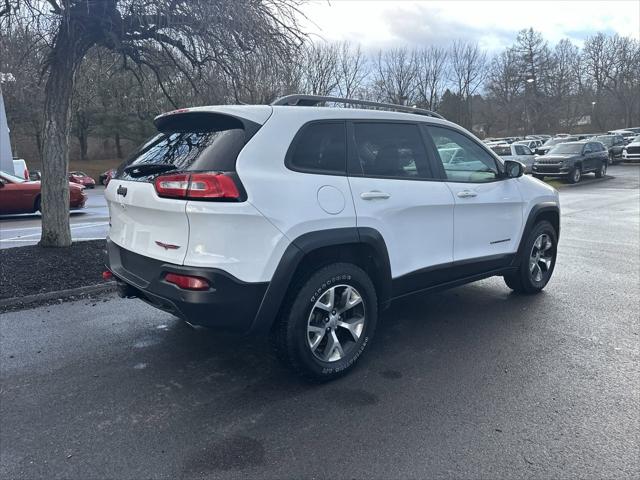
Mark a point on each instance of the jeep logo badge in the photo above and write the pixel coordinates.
(122, 191)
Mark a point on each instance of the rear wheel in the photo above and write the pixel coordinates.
(537, 262)
(575, 175)
(601, 171)
(37, 207)
(328, 321)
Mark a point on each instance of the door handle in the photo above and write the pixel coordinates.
(374, 194)
(466, 194)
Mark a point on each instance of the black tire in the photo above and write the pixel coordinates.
(602, 170)
(291, 335)
(37, 207)
(523, 280)
(539, 177)
(575, 175)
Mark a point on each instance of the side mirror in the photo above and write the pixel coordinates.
(513, 169)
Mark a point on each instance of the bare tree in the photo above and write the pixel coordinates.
(320, 68)
(505, 85)
(189, 33)
(395, 76)
(468, 71)
(352, 71)
(431, 70)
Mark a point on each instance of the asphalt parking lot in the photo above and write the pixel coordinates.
(88, 223)
(474, 382)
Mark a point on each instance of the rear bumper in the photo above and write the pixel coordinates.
(229, 305)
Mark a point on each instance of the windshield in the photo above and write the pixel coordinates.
(556, 141)
(567, 148)
(636, 139)
(606, 139)
(502, 150)
(12, 178)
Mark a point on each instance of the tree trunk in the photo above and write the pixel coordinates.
(55, 151)
(118, 145)
(83, 142)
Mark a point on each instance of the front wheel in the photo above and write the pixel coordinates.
(327, 322)
(575, 175)
(537, 262)
(601, 171)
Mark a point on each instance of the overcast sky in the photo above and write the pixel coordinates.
(494, 24)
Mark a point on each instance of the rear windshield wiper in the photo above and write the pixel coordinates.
(148, 169)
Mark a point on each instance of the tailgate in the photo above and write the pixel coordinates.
(144, 223)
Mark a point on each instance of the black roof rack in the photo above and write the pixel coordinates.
(313, 100)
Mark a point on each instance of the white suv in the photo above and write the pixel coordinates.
(304, 221)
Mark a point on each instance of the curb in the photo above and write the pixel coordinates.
(72, 292)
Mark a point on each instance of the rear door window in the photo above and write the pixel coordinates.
(203, 142)
(389, 150)
(319, 147)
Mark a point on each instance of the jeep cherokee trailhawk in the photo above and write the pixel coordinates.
(303, 222)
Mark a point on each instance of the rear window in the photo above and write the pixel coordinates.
(189, 142)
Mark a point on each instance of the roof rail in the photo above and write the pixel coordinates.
(313, 100)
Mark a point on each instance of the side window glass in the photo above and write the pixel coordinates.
(462, 158)
(320, 148)
(392, 150)
(520, 150)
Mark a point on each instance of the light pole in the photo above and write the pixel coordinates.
(529, 82)
(593, 112)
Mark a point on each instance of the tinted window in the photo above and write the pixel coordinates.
(207, 142)
(393, 150)
(462, 158)
(320, 147)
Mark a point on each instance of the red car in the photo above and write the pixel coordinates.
(82, 179)
(20, 196)
(106, 176)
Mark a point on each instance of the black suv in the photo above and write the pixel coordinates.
(571, 160)
(614, 143)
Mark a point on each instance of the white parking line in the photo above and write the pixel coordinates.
(77, 239)
(73, 227)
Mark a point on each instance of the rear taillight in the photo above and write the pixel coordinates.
(187, 282)
(174, 186)
(197, 186)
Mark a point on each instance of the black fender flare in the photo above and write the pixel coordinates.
(534, 214)
(304, 245)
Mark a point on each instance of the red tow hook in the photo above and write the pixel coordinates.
(107, 275)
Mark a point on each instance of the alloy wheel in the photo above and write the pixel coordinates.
(576, 175)
(541, 258)
(336, 323)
